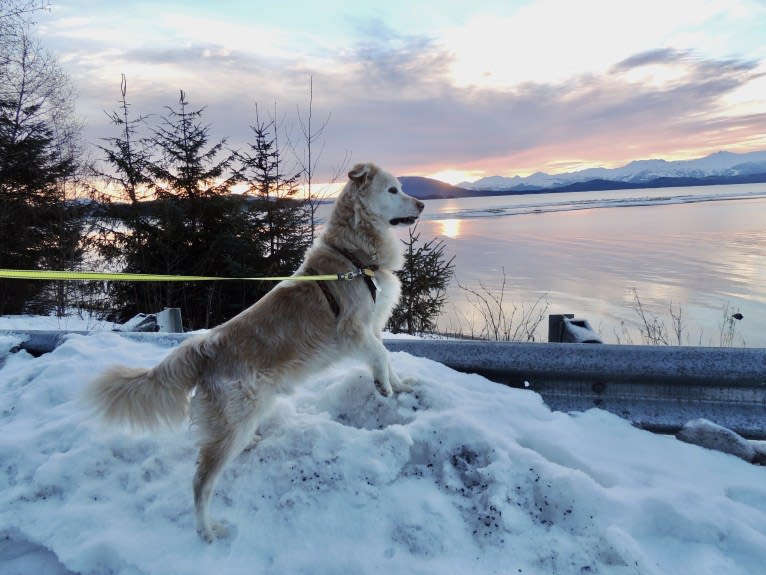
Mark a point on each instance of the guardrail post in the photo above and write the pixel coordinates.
(169, 320)
(565, 328)
(165, 321)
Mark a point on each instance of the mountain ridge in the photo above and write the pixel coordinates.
(720, 163)
(720, 168)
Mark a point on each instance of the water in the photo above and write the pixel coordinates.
(701, 250)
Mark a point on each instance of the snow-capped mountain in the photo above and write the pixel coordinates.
(726, 164)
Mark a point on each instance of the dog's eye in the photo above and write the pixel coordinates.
(393, 190)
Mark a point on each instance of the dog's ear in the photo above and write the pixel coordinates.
(362, 174)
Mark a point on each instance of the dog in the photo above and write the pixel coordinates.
(226, 379)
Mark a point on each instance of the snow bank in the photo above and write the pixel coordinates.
(461, 476)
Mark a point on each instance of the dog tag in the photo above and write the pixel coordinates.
(375, 283)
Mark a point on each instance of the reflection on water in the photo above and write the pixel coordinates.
(450, 228)
(705, 257)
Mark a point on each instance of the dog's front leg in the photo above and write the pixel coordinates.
(397, 384)
(376, 356)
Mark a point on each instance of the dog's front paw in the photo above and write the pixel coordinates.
(404, 385)
(214, 531)
(384, 389)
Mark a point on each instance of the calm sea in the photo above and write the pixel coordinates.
(701, 250)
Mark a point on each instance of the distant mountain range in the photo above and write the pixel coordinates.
(716, 169)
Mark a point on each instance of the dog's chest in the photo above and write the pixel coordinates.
(386, 280)
(389, 286)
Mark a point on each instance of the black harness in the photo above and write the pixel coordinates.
(360, 267)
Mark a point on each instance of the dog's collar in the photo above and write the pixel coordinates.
(368, 279)
(360, 271)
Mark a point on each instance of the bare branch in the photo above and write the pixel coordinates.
(502, 322)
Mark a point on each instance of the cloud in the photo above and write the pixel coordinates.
(384, 64)
(463, 126)
(393, 99)
(660, 56)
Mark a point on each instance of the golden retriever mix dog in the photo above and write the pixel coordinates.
(237, 368)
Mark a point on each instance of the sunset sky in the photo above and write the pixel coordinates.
(451, 89)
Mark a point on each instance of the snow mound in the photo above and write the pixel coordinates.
(460, 476)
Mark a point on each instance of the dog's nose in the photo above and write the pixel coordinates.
(420, 205)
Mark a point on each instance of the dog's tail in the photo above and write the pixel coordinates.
(150, 398)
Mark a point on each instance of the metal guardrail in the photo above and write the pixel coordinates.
(38, 342)
(656, 387)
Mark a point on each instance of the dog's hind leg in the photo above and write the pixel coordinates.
(224, 444)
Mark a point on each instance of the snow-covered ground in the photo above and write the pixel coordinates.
(461, 476)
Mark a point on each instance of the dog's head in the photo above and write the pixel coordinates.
(382, 195)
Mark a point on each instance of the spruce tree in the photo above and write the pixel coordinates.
(189, 224)
(425, 276)
(285, 228)
(122, 221)
(39, 228)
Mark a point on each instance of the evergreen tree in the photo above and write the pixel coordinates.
(285, 228)
(122, 222)
(125, 154)
(38, 154)
(425, 277)
(177, 215)
(190, 225)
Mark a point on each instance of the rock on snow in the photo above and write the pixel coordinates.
(460, 476)
(705, 433)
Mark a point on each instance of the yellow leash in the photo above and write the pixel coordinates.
(65, 275)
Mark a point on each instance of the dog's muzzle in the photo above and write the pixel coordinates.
(408, 220)
(405, 221)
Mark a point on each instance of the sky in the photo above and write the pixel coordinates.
(447, 89)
